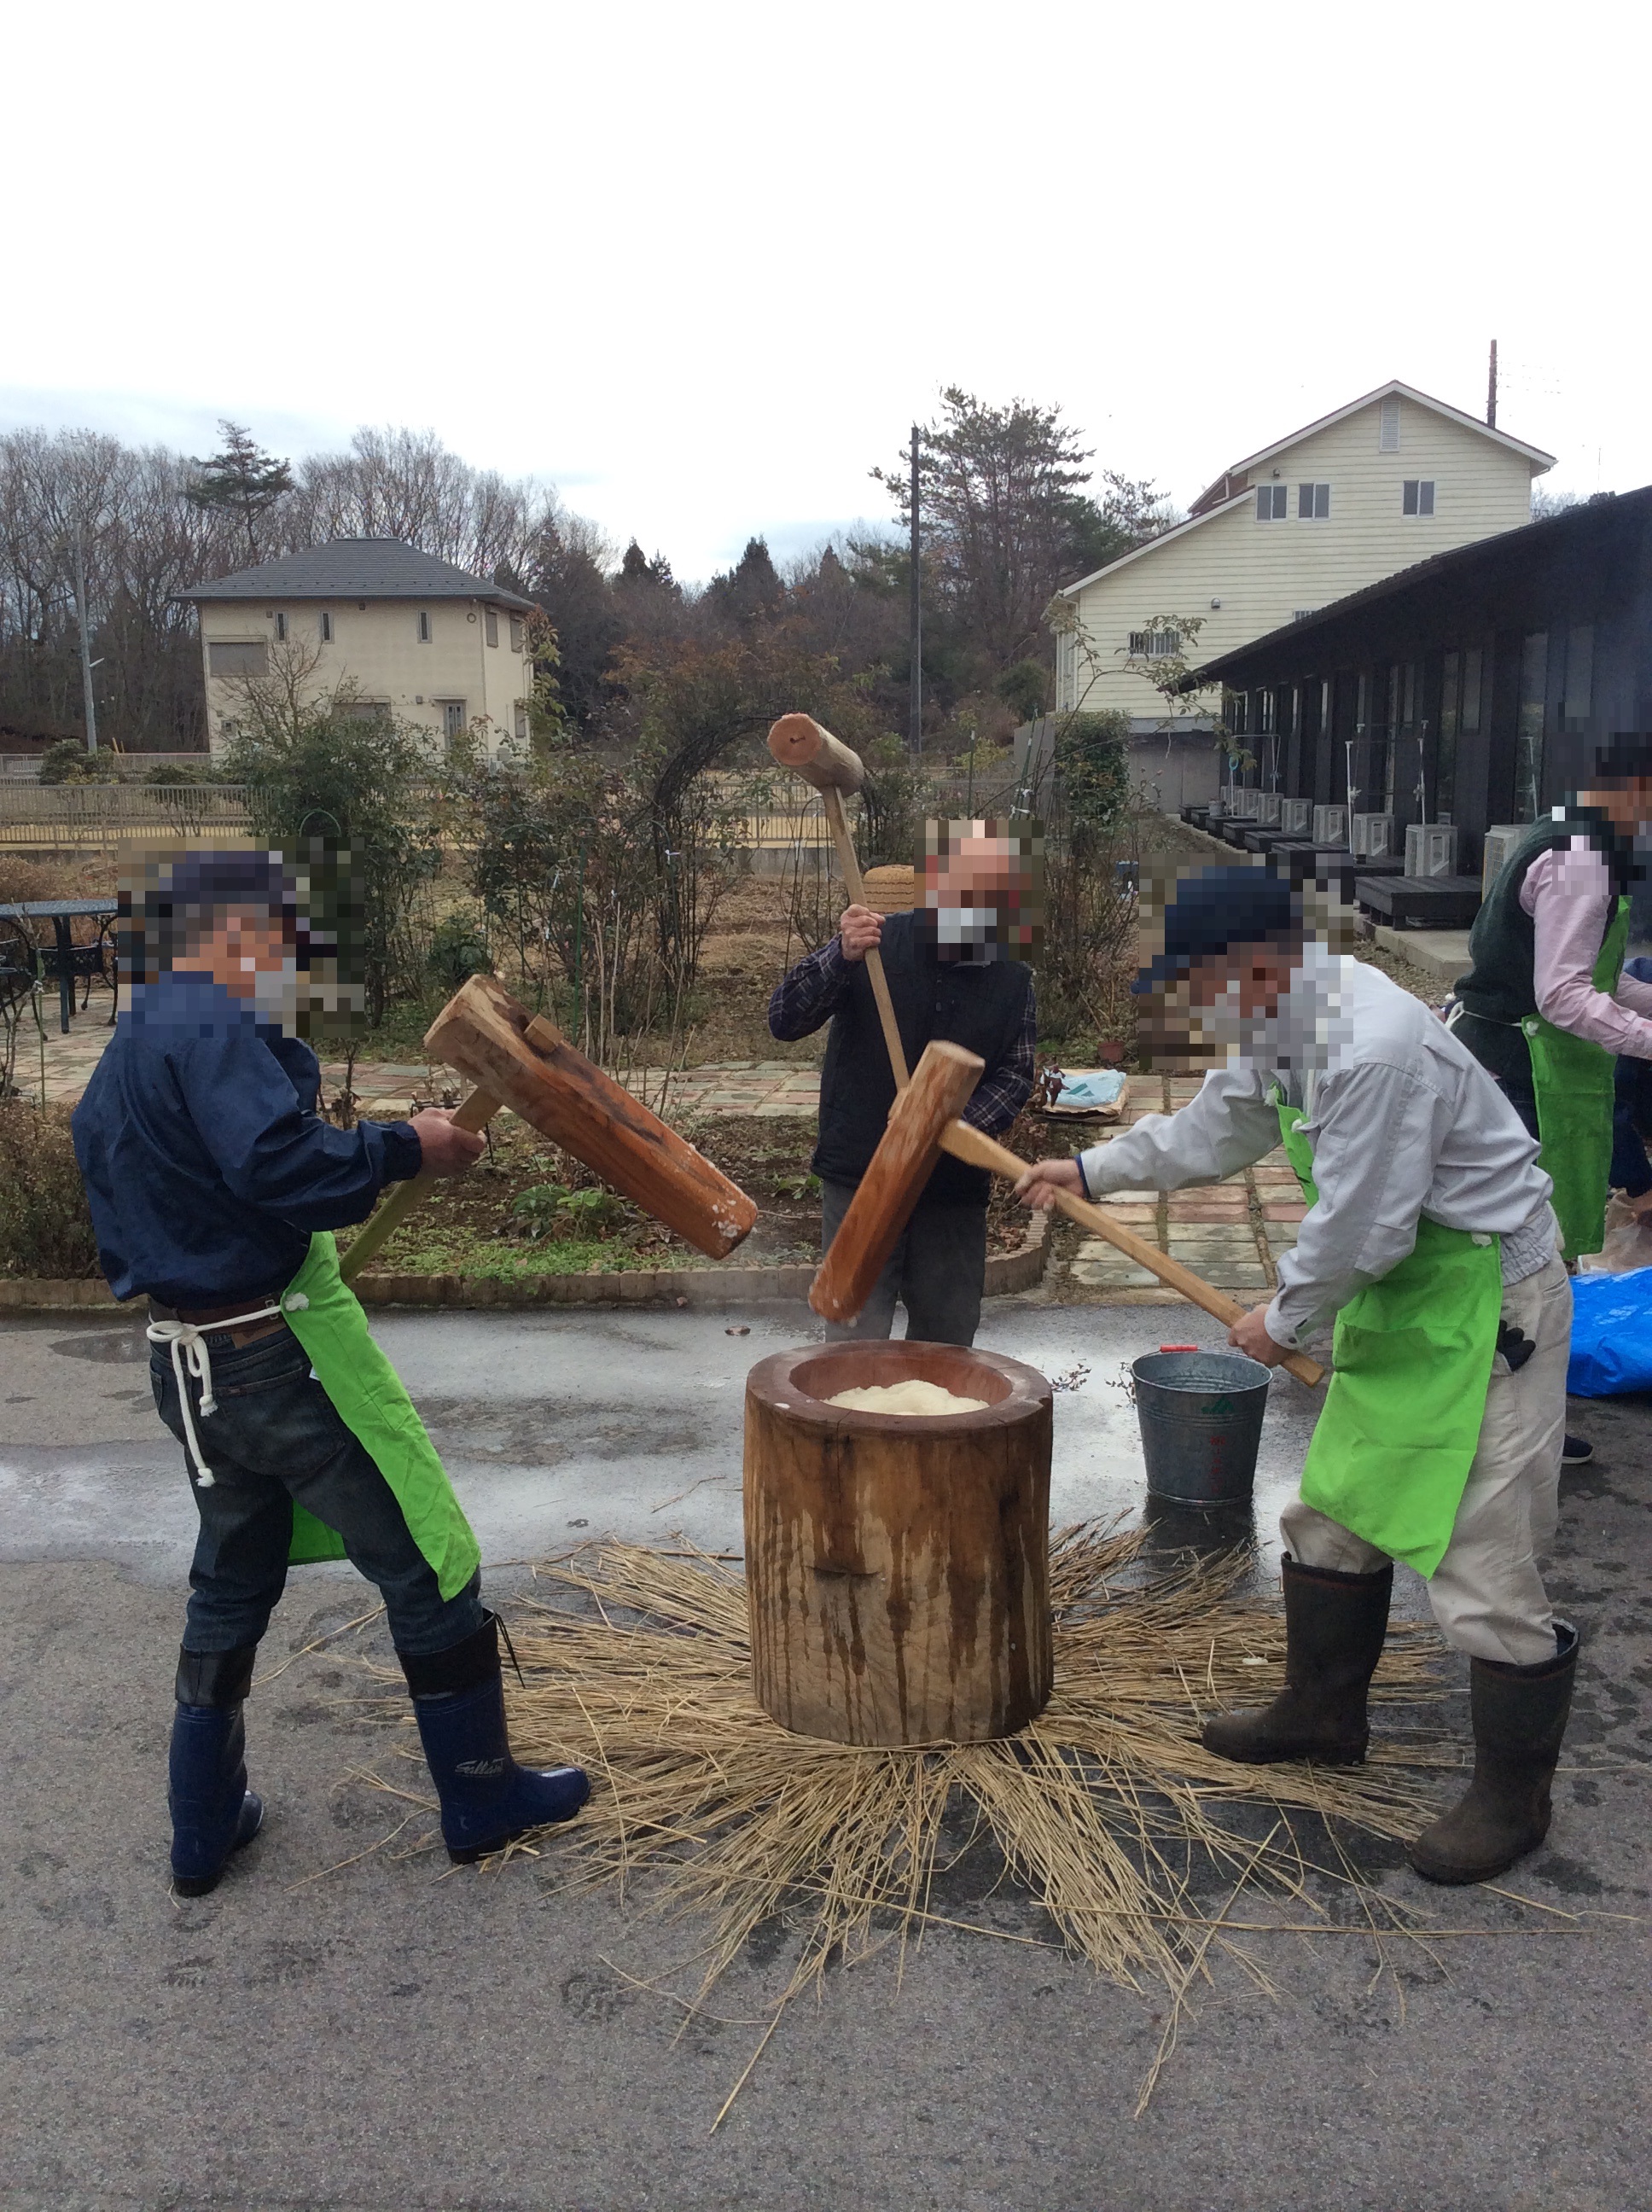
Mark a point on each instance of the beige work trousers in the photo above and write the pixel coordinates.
(1487, 1595)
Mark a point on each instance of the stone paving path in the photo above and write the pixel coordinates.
(384, 1087)
(737, 1086)
(1231, 1232)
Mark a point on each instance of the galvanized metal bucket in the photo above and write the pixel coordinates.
(1201, 1423)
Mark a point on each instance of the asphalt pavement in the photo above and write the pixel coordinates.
(391, 2037)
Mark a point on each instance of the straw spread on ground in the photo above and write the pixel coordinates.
(1107, 1810)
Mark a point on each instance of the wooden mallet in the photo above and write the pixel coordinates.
(922, 1126)
(521, 1060)
(799, 742)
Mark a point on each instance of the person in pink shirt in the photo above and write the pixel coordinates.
(1546, 1007)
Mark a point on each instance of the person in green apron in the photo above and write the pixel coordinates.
(1546, 1006)
(214, 1187)
(1428, 1252)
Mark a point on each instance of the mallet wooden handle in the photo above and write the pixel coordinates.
(832, 799)
(983, 1151)
(477, 1110)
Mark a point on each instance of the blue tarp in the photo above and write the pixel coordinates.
(1611, 1335)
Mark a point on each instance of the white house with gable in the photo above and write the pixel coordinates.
(406, 633)
(1381, 483)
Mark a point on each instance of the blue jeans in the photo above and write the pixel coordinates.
(277, 1438)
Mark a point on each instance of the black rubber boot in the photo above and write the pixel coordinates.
(487, 1799)
(1334, 1626)
(213, 1811)
(1520, 1716)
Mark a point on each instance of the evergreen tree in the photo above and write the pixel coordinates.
(752, 587)
(243, 480)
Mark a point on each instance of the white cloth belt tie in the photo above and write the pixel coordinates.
(188, 1341)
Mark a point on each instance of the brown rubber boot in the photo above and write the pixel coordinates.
(1334, 1626)
(1520, 1716)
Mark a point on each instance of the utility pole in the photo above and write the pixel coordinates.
(86, 643)
(915, 731)
(1492, 391)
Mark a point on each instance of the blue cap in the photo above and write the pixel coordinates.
(1221, 907)
(209, 881)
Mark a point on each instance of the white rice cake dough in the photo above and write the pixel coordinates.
(926, 1399)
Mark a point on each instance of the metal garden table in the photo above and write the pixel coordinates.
(69, 959)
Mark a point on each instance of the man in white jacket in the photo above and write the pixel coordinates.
(1429, 1245)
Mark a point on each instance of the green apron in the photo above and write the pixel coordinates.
(1411, 1360)
(1574, 1080)
(325, 1316)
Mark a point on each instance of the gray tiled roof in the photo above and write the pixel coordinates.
(357, 568)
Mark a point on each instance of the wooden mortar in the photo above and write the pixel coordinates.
(898, 1567)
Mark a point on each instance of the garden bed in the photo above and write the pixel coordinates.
(509, 1233)
(530, 1211)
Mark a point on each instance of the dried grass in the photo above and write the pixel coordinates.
(1107, 1809)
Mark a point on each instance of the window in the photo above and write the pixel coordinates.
(1473, 663)
(516, 633)
(1304, 614)
(327, 626)
(1451, 712)
(1313, 502)
(1273, 503)
(1155, 644)
(238, 657)
(1239, 714)
(1529, 725)
(521, 726)
(424, 628)
(1387, 437)
(452, 719)
(1580, 672)
(1418, 495)
(281, 626)
(490, 624)
(1264, 714)
(364, 710)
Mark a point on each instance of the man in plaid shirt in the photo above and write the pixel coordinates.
(951, 974)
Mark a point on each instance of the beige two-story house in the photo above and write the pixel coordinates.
(1381, 483)
(404, 633)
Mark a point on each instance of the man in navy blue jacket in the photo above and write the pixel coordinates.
(208, 1170)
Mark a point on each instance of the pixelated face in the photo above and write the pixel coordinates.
(983, 883)
(1249, 978)
(1244, 998)
(1637, 796)
(239, 944)
(246, 921)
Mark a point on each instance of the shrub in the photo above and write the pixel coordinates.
(45, 1227)
(548, 1208)
(459, 950)
(172, 774)
(67, 762)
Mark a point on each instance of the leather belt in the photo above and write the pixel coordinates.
(203, 1316)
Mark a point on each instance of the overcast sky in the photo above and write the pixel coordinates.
(701, 266)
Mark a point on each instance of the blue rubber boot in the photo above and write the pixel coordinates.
(213, 1813)
(487, 1799)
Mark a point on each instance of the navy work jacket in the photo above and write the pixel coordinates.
(206, 1164)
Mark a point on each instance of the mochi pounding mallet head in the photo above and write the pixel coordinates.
(881, 1206)
(523, 1061)
(799, 742)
